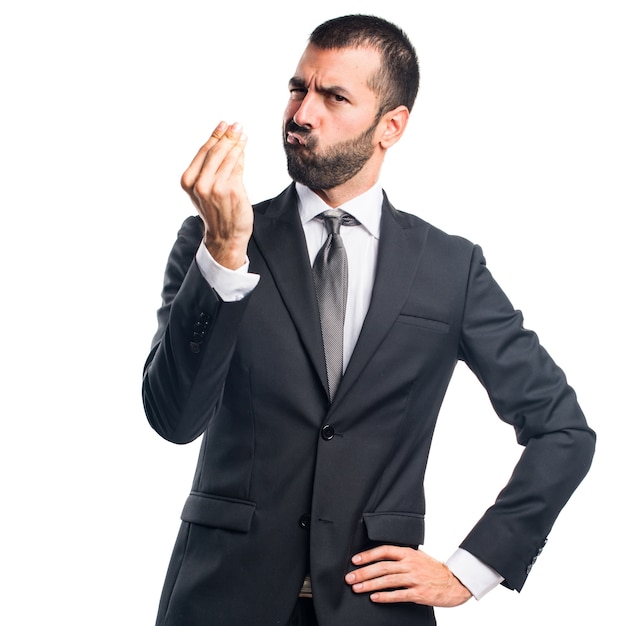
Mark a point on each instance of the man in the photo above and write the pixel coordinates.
(307, 505)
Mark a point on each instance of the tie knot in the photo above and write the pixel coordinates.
(335, 218)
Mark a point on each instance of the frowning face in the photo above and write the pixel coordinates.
(331, 119)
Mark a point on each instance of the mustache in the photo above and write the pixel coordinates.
(292, 127)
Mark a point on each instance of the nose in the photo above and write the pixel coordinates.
(306, 113)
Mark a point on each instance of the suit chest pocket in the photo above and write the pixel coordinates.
(424, 323)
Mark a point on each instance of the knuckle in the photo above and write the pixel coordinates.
(186, 182)
(201, 189)
(221, 189)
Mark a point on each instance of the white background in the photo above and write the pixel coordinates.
(516, 142)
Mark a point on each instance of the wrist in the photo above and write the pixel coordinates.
(229, 254)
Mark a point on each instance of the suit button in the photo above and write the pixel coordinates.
(194, 347)
(305, 522)
(328, 432)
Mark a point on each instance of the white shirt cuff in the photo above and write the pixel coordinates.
(230, 285)
(473, 573)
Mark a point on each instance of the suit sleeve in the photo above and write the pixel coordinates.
(530, 392)
(191, 351)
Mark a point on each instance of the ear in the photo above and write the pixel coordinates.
(392, 126)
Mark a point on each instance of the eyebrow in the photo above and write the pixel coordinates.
(296, 82)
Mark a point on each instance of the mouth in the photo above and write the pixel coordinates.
(294, 138)
(296, 135)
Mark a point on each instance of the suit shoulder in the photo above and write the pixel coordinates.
(273, 207)
(434, 236)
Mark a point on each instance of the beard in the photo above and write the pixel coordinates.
(329, 168)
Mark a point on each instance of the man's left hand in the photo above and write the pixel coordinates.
(395, 574)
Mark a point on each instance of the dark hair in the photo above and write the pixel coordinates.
(397, 81)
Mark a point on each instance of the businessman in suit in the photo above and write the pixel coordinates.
(307, 505)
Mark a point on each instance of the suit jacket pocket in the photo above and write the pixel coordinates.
(424, 322)
(218, 512)
(395, 528)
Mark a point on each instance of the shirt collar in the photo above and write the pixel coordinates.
(367, 207)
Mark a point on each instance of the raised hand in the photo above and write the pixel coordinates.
(214, 182)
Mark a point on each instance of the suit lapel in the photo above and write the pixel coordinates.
(280, 239)
(400, 249)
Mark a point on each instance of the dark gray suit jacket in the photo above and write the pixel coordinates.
(287, 483)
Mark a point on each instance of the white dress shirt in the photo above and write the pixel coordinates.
(361, 244)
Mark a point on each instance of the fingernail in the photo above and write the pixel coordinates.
(350, 578)
(236, 127)
(357, 558)
(357, 587)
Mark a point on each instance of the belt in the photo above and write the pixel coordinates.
(306, 591)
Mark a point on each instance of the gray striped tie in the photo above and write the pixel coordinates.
(330, 277)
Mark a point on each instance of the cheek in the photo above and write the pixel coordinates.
(290, 110)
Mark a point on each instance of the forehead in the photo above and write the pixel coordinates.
(351, 68)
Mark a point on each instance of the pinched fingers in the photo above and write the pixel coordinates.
(214, 182)
(188, 179)
(221, 176)
(222, 150)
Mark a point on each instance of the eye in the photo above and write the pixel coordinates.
(335, 97)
